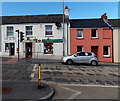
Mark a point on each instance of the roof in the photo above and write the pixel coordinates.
(88, 23)
(114, 22)
(50, 18)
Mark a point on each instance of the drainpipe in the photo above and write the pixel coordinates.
(67, 39)
(63, 32)
(112, 47)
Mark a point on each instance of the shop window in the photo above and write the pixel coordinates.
(79, 33)
(48, 30)
(48, 48)
(106, 51)
(94, 33)
(10, 31)
(29, 30)
(79, 48)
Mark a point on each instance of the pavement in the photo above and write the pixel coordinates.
(16, 84)
(26, 91)
(8, 60)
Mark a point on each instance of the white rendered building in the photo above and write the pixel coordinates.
(43, 35)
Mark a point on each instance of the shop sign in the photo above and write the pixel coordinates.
(37, 40)
(52, 40)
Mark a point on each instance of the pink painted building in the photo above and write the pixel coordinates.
(92, 35)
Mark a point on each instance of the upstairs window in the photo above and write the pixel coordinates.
(29, 30)
(10, 31)
(94, 33)
(48, 30)
(79, 33)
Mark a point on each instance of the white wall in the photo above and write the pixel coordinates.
(116, 41)
(38, 32)
(58, 49)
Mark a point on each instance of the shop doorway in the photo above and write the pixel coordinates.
(94, 49)
(29, 50)
(12, 49)
(48, 48)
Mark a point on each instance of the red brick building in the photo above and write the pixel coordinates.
(92, 35)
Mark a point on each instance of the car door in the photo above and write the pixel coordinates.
(79, 58)
(87, 57)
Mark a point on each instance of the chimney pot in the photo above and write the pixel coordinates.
(104, 16)
(66, 7)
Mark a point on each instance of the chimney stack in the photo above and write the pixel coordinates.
(104, 16)
(66, 11)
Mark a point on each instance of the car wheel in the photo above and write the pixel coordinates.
(69, 62)
(94, 63)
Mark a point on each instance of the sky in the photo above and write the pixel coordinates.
(79, 10)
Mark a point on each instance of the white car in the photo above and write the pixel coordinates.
(81, 57)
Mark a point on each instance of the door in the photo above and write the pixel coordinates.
(29, 50)
(94, 49)
(12, 49)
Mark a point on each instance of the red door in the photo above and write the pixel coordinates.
(29, 50)
(94, 49)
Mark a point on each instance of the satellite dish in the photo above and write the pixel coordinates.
(58, 24)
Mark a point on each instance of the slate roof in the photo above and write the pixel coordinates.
(50, 18)
(114, 22)
(88, 23)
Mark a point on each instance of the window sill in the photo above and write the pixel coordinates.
(79, 38)
(10, 36)
(48, 35)
(106, 56)
(29, 35)
(94, 38)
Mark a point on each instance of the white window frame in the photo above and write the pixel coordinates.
(9, 31)
(82, 34)
(28, 30)
(108, 51)
(80, 46)
(96, 34)
(49, 30)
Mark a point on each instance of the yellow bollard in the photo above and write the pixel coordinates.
(39, 77)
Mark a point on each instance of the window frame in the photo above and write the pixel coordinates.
(49, 30)
(12, 31)
(108, 51)
(78, 33)
(31, 30)
(96, 34)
